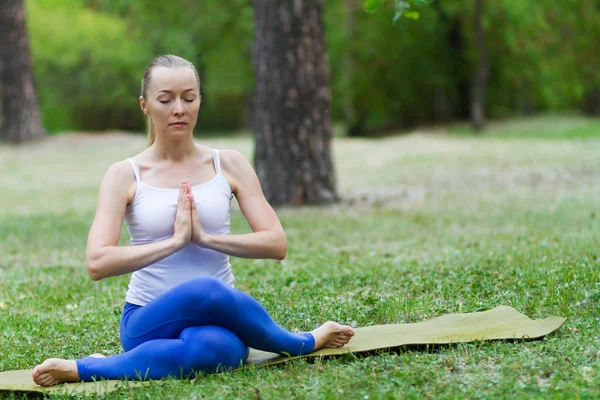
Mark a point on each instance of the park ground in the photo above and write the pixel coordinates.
(432, 222)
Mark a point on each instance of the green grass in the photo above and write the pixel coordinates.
(431, 224)
(550, 127)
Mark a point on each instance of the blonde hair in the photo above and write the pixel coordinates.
(169, 61)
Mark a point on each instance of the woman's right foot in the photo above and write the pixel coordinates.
(54, 371)
(332, 335)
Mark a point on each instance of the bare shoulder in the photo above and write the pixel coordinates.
(236, 168)
(119, 179)
(232, 160)
(120, 171)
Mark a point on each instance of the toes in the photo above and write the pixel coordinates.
(37, 371)
(343, 338)
(43, 380)
(46, 380)
(50, 381)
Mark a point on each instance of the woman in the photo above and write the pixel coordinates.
(182, 314)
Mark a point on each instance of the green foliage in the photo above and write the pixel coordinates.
(398, 68)
(89, 57)
(385, 75)
(401, 7)
(87, 66)
(542, 57)
(214, 35)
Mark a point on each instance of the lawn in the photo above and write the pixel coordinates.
(431, 223)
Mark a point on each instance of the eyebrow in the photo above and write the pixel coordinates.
(169, 91)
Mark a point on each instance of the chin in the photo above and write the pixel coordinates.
(180, 135)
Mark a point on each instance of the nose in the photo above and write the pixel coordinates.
(178, 107)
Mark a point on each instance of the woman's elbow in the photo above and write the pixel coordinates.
(282, 249)
(92, 269)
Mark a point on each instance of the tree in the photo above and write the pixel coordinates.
(292, 122)
(215, 35)
(20, 108)
(451, 20)
(481, 72)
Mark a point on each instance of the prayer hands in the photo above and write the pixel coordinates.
(198, 235)
(182, 229)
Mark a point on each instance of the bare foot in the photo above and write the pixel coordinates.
(54, 371)
(332, 334)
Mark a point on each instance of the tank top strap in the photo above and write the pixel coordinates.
(136, 170)
(216, 160)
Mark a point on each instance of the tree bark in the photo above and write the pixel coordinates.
(481, 72)
(21, 120)
(292, 122)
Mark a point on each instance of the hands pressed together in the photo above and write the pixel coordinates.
(187, 227)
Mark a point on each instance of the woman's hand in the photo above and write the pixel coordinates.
(182, 229)
(198, 235)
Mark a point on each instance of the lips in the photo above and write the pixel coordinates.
(178, 124)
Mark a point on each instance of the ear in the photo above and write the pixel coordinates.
(143, 106)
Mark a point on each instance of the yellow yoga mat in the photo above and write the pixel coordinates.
(500, 323)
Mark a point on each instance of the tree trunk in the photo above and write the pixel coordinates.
(21, 115)
(456, 48)
(353, 113)
(591, 102)
(292, 123)
(481, 72)
(460, 64)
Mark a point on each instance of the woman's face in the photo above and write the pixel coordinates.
(172, 101)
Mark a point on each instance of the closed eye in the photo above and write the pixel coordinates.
(166, 101)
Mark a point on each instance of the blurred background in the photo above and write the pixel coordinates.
(387, 66)
(88, 56)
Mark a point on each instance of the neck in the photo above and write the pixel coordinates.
(174, 150)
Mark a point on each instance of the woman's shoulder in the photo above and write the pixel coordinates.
(125, 169)
(233, 161)
(234, 167)
(120, 179)
(122, 169)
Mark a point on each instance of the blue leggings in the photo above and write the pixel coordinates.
(199, 326)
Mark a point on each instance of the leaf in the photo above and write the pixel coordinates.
(412, 15)
(371, 5)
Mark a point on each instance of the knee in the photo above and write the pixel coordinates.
(216, 349)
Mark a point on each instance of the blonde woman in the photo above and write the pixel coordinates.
(182, 314)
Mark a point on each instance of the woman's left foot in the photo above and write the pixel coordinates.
(333, 335)
(54, 371)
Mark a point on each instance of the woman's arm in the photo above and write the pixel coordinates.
(268, 238)
(103, 257)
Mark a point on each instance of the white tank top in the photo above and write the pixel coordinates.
(150, 218)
